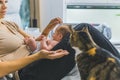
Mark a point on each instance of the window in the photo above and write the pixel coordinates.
(108, 14)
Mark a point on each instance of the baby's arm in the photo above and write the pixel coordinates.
(43, 43)
(51, 44)
(47, 44)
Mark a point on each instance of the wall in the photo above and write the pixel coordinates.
(56, 8)
(50, 9)
(111, 17)
(99, 16)
(93, 1)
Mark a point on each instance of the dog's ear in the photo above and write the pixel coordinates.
(85, 29)
(71, 29)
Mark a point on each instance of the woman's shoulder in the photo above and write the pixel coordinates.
(10, 24)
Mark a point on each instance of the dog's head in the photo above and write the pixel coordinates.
(81, 39)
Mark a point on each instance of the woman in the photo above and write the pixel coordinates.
(13, 48)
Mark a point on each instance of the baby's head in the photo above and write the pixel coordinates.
(61, 31)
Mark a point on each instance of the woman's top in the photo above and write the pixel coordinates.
(12, 44)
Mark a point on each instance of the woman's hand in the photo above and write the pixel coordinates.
(44, 54)
(51, 25)
(54, 22)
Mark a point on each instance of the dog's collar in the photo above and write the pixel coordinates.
(92, 51)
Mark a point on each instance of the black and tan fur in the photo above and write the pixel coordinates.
(94, 63)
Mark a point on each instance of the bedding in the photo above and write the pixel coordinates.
(51, 69)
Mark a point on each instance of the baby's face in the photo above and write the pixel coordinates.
(57, 36)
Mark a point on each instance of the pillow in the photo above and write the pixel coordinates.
(105, 30)
(51, 69)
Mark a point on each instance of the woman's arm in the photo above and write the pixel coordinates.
(50, 26)
(46, 31)
(11, 66)
(24, 33)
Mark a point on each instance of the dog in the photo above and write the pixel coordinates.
(94, 62)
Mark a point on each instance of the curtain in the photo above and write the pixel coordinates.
(25, 13)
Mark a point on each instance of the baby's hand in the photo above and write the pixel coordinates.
(31, 43)
(41, 37)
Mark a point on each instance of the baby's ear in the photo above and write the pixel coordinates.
(60, 36)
